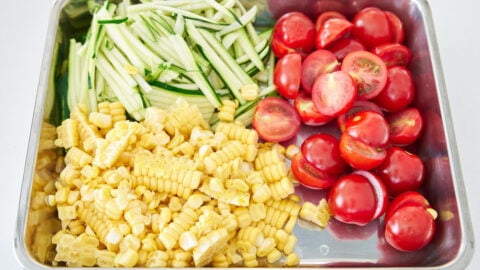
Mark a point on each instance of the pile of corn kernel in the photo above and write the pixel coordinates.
(167, 192)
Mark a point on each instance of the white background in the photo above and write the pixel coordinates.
(23, 28)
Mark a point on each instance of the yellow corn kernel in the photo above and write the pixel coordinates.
(90, 172)
(101, 120)
(290, 225)
(292, 259)
(274, 172)
(70, 175)
(187, 241)
(105, 258)
(226, 112)
(210, 245)
(67, 134)
(318, 214)
(220, 260)
(261, 193)
(157, 258)
(155, 119)
(185, 220)
(229, 152)
(257, 211)
(291, 151)
(127, 258)
(274, 255)
(174, 204)
(243, 217)
(268, 158)
(66, 212)
(290, 244)
(238, 133)
(281, 189)
(267, 245)
(249, 91)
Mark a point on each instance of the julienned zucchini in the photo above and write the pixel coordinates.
(150, 54)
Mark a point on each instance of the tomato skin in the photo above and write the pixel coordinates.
(275, 120)
(331, 31)
(334, 93)
(398, 92)
(405, 126)
(308, 175)
(345, 46)
(287, 75)
(371, 27)
(308, 113)
(410, 228)
(352, 200)
(358, 106)
(393, 54)
(380, 189)
(294, 31)
(359, 155)
(369, 127)
(317, 63)
(396, 27)
(321, 150)
(368, 71)
(323, 17)
(407, 198)
(401, 171)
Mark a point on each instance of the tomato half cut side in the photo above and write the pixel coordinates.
(308, 175)
(294, 31)
(334, 93)
(342, 47)
(322, 151)
(317, 63)
(380, 191)
(352, 200)
(275, 120)
(399, 91)
(405, 126)
(359, 155)
(396, 27)
(370, 128)
(331, 31)
(371, 27)
(368, 71)
(308, 113)
(323, 17)
(393, 54)
(287, 75)
(358, 106)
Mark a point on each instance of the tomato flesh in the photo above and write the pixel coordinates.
(405, 126)
(332, 30)
(358, 106)
(369, 127)
(308, 113)
(287, 74)
(317, 63)
(368, 71)
(334, 93)
(322, 151)
(393, 54)
(275, 120)
(308, 175)
(360, 155)
(323, 17)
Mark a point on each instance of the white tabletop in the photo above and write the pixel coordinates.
(23, 26)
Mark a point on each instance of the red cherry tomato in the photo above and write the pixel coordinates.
(308, 175)
(360, 155)
(275, 120)
(352, 200)
(380, 191)
(332, 30)
(334, 93)
(308, 113)
(405, 126)
(287, 74)
(358, 106)
(323, 17)
(372, 27)
(317, 63)
(393, 54)
(345, 46)
(396, 27)
(294, 31)
(398, 92)
(401, 171)
(369, 127)
(407, 198)
(368, 71)
(321, 150)
(410, 228)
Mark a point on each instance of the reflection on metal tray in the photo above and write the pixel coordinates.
(339, 245)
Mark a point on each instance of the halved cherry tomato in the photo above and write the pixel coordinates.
(368, 71)
(321, 150)
(334, 93)
(369, 127)
(399, 91)
(396, 27)
(401, 171)
(342, 47)
(331, 31)
(275, 120)
(407, 198)
(308, 113)
(294, 31)
(410, 228)
(323, 17)
(372, 27)
(352, 200)
(393, 54)
(380, 189)
(287, 75)
(317, 63)
(360, 155)
(405, 126)
(308, 175)
(358, 106)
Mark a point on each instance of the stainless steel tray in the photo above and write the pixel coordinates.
(339, 245)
